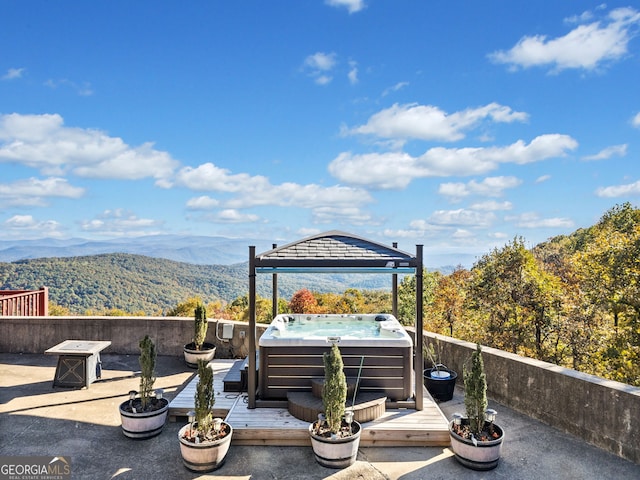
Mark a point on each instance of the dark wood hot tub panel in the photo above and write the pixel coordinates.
(385, 369)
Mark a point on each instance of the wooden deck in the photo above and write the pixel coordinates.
(276, 426)
(184, 401)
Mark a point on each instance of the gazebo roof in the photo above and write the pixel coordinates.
(335, 250)
(329, 252)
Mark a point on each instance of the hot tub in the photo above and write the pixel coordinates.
(291, 349)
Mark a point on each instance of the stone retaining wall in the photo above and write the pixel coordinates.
(602, 412)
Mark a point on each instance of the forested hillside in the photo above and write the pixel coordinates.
(573, 300)
(143, 285)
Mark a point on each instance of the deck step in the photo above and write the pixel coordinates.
(233, 381)
(306, 406)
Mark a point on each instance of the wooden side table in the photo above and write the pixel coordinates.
(79, 362)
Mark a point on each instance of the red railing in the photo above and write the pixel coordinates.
(24, 303)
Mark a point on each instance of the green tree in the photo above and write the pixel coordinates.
(407, 296)
(516, 297)
(448, 303)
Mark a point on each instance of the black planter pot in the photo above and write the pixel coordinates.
(441, 389)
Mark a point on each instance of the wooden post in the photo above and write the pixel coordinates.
(394, 290)
(44, 302)
(251, 377)
(417, 367)
(274, 292)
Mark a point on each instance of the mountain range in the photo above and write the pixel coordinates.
(198, 250)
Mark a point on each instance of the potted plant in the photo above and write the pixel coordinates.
(145, 413)
(204, 441)
(198, 349)
(335, 436)
(475, 439)
(439, 380)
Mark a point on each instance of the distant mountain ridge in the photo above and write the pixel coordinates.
(198, 250)
(136, 283)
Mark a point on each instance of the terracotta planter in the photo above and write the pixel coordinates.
(191, 355)
(441, 389)
(337, 453)
(143, 424)
(483, 456)
(205, 456)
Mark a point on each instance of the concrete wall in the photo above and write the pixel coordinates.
(170, 334)
(602, 412)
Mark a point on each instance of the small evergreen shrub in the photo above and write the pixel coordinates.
(200, 326)
(475, 391)
(147, 369)
(334, 393)
(204, 399)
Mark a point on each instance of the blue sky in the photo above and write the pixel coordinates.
(457, 125)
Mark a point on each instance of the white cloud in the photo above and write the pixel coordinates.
(543, 178)
(352, 6)
(398, 86)
(321, 61)
(489, 187)
(323, 79)
(121, 223)
(25, 226)
(533, 220)
(343, 215)
(427, 122)
(34, 191)
(353, 73)
(582, 18)
(462, 234)
(462, 217)
(211, 177)
(233, 216)
(587, 46)
(203, 202)
(606, 153)
(251, 191)
(13, 73)
(635, 121)
(491, 206)
(395, 170)
(44, 143)
(392, 170)
(83, 89)
(319, 65)
(630, 189)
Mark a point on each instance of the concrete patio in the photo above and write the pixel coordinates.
(84, 426)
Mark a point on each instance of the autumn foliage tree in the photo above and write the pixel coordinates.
(303, 301)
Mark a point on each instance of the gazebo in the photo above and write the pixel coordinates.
(335, 252)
